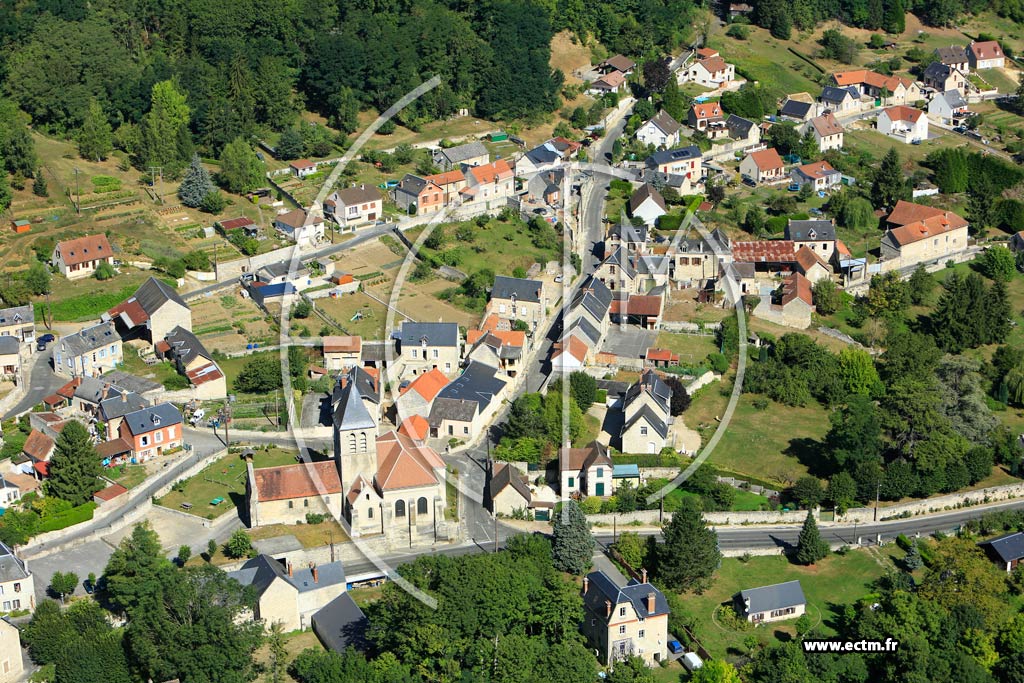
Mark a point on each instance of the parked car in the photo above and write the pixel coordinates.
(675, 647)
(47, 338)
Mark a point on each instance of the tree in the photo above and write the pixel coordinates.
(104, 271)
(633, 669)
(839, 47)
(656, 75)
(841, 491)
(290, 145)
(825, 296)
(63, 583)
(74, 467)
(809, 546)
(572, 549)
(278, 653)
(998, 263)
(857, 373)
(716, 671)
(858, 214)
(583, 389)
(674, 102)
(240, 168)
(166, 140)
(133, 569)
(196, 185)
(37, 279)
(807, 492)
(782, 26)
(680, 398)
(95, 137)
(689, 555)
(39, 187)
(260, 375)
(912, 561)
(184, 554)
(239, 545)
(784, 137)
(890, 184)
(920, 286)
(959, 574)
(5, 191)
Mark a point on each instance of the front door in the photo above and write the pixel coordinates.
(599, 489)
(650, 447)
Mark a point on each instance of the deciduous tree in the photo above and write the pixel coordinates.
(240, 168)
(95, 137)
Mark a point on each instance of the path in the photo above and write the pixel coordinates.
(41, 383)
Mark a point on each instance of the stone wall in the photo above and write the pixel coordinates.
(952, 501)
(651, 517)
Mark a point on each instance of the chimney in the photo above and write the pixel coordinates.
(124, 397)
(586, 584)
(650, 603)
(607, 608)
(103, 394)
(290, 568)
(643, 575)
(316, 575)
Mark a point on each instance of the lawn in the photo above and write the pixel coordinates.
(501, 246)
(295, 642)
(309, 535)
(158, 372)
(692, 348)
(998, 79)
(743, 502)
(834, 582)
(128, 476)
(86, 299)
(766, 59)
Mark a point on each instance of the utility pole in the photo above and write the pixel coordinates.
(78, 193)
(878, 496)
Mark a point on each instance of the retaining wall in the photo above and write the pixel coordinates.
(951, 501)
(651, 517)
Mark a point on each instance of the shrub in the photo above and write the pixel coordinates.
(738, 31)
(63, 520)
(719, 363)
(315, 518)
(591, 505)
(104, 271)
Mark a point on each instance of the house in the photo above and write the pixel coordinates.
(38, 448)
(453, 418)
(743, 130)
(697, 259)
(638, 309)
(194, 362)
(618, 270)
(766, 604)
(661, 131)
(919, 234)
(827, 131)
(11, 661)
(623, 65)
(684, 161)
(610, 82)
(481, 384)
(79, 257)
(498, 348)
(646, 412)
(817, 235)
(796, 110)
(819, 175)
(469, 154)
(632, 237)
(591, 301)
(507, 490)
(624, 621)
(585, 471)
(152, 431)
(891, 90)
(301, 168)
(152, 312)
(707, 117)
(943, 78)
(949, 108)
(764, 166)
(903, 123)
(300, 227)
(518, 299)
(450, 183)
(986, 55)
(341, 352)
(19, 322)
(840, 100)
(17, 587)
(539, 158)
(426, 346)
(739, 9)
(647, 203)
(570, 355)
(491, 184)
(340, 624)
(287, 493)
(954, 56)
(10, 360)
(353, 206)
(289, 595)
(711, 71)
(417, 396)
(10, 492)
(812, 265)
(90, 352)
(1007, 550)
(1017, 242)
(791, 304)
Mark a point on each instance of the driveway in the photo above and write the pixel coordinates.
(90, 557)
(41, 383)
(316, 410)
(629, 342)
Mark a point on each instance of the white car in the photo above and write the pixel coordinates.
(197, 416)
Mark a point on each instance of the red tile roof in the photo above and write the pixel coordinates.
(871, 78)
(612, 80)
(764, 251)
(428, 385)
(767, 159)
(708, 110)
(447, 178)
(929, 227)
(38, 445)
(302, 163)
(638, 304)
(109, 449)
(827, 124)
(492, 172)
(404, 463)
(714, 64)
(988, 49)
(415, 427)
(132, 309)
(818, 169)
(85, 249)
(343, 344)
(908, 212)
(68, 390)
(297, 481)
(53, 400)
(901, 113)
(577, 348)
(807, 258)
(110, 493)
(797, 286)
(507, 338)
(207, 373)
(235, 224)
(706, 52)
(663, 355)
(43, 468)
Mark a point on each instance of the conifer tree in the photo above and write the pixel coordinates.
(196, 185)
(690, 554)
(573, 547)
(809, 547)
(75, 466)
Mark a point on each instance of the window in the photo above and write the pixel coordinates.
(643, 431)
(572, 482)
(622, 611)
(16, 604)
(412, 353)
(158, 437)
(399, 508)
(291, 504)
(435, 353)
(353, 211)
(362, 441)
(305, 502)
(622, 630)
(421, 506)
(103, 353)
(352, 442)
(465, 430)
(369, 512)
(447, 367)
(600, 471)
(641, 634)
(145, 440)
(7, 605)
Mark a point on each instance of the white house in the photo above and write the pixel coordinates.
(819, 174)
(684, 161)
(827, 131)
(80, 257)
(710, 70)
(293, 225)
(986, 55)
(764, 166)
(354, 205)
(647, 203)
(302, 167)
(949, 107)
(661, 131)
(903, 123)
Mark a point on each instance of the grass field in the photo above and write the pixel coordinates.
(309, 535)
(295, 642)
(500, 246)
(744, 500)
(763, 58)
(836, 581)
(692, 348)
(128, 476)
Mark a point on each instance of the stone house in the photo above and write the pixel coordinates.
(986, 55)
(19, 322)
(90, 352)
(17, 586)
(491, 184)
(152, 431)
(341, 352)
(507, 491)
(80, 257)
(827, 131)
(285, 494)
(624, 621)
(152, 312)
(289, 595)
(480, 384)
(646, 415)
(426, 346)
(514, 298)
(585, 471)
(417, 397)
(918, 234)
(954, 56)
(11, 660)
(661, 131)
(469, 154)
(791, 304)
(942, 78)
(353, 206)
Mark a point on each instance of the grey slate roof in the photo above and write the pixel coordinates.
(627, 232)
(505, 475)
(456, 155)
(954, 99)
(17, 315)
(89, 339)
(374, 351)
(124, 380)
(651, 264)
(411, 184)
(1008, 547)
(673, 180)
(665, 123)
(653, 419)
(834, 95)
(586, 328)
(803, 231)
(937, 71)
(612, 387)
(650, 383)
(796, 109)
(120, 404)
(9, 344)
(349, 410)
(476, 383)
(455, 409)
(523, 290)
(738, 126)
(186, 345)
(672, 155)
(602, 588)
(620, 257)
(11, 567)
(594, 296)
(776, 596)
(543, 155)
(435, 334)
(340, 624)
(153, 294)
(148, 419)
(260, 572)
(952, 54)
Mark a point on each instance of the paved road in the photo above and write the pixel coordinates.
(41, 383)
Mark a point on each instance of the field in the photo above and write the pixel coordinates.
(692, 348)
(224, 479)
(568, 55)
(128, 476)
(831, 584)
(228, 322)
(766, 59)
(499, 246)
(295, 642)
(309, 535)
(743, 501)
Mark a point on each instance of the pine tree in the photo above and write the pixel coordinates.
(913, 561)
(809, 547)
(95, 137)
(75, 466)
(573, 547)
(165, 135)
(196, 185)
(890, 184)
(5, 188)
(39, 187)
(690, 554)
(997, 314)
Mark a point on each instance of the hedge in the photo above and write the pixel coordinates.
(648, 460)
(63, 520)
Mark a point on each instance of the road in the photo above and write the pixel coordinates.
(41, 383)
